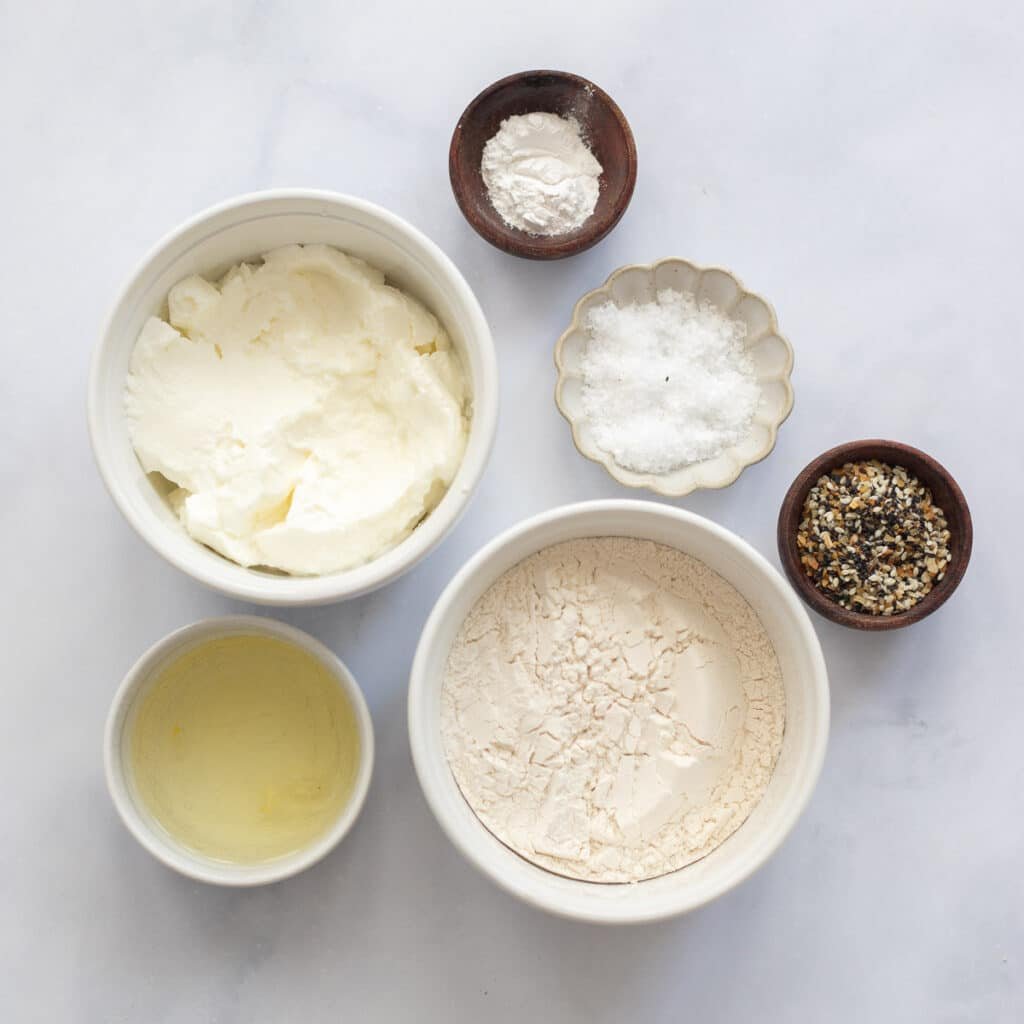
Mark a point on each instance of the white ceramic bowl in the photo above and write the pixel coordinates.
(803, 748)
(771, 353)
(210, 244)
(133, 811)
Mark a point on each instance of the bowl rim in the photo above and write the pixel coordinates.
(512, 240)
(913, 459)
(420, 689)
(285, 590)
(650, 481)
(165, 848)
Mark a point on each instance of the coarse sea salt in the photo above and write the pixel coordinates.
(666, 383)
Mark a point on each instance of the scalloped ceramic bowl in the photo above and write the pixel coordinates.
(771, 353)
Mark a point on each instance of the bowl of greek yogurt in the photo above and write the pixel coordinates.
(618, 710)
(294, 397)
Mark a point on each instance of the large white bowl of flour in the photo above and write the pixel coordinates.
(500, 844)
(243, 230)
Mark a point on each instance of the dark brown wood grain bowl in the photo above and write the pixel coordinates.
(947, 496)
(605, 130)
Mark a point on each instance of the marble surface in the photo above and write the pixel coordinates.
(859, 164)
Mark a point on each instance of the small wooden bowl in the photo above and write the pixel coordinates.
(605, 130)
(947, 495)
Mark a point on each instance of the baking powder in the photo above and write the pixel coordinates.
(612, 709)
(540, 175)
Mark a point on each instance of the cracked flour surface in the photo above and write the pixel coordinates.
(612, 709)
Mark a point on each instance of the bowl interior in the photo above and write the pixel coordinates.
(769, 351)
(605, 130)
(804, 677)
(209, 246)
(947, 495)
(133, 810)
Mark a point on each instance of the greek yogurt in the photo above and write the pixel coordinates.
(308, 414)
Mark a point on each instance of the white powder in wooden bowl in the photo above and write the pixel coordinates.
(540, 175)
(612, 709)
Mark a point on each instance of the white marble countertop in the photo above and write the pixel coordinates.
(860, 164)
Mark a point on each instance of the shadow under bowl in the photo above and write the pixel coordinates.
(605, 131)
(946, 494)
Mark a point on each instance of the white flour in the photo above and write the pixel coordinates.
(540, 175)
(612, 709)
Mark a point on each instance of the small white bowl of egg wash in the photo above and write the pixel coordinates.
(238, 751)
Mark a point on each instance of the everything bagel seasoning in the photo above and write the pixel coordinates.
(872, 539)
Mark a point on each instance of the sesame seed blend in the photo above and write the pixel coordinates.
(872, 539)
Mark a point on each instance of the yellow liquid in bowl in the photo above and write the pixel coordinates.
(244, 748)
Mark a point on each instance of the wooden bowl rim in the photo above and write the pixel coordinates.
(512, 240)
(894, 453)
